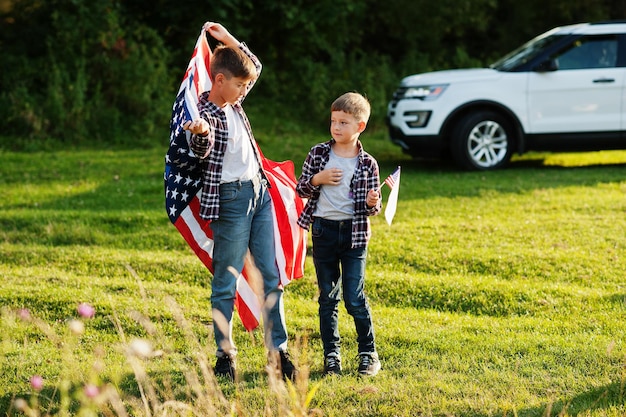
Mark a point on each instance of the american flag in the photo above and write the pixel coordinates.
(393, 178)
(182, 177)
(393, 181)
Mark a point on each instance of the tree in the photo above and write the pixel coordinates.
(78, 68)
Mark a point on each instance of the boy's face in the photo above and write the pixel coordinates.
(344, 127)
(231, 90)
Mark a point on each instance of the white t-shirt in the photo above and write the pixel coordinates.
(240, 161)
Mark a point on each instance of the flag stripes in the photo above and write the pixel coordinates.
(182, 181)
(393, 181)
(393, 178)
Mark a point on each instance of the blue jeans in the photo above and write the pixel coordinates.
(340, 268)
(245, 223)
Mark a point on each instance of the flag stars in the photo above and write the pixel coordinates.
(183, 184)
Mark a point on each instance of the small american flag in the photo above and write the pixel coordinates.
(182, 178)
(393, 178)
(393, 181)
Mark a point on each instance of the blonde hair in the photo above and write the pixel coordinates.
(354, 104)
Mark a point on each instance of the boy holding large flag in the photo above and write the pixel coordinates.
(341, 182)
(235, 199)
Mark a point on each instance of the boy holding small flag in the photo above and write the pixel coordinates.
(341, 182)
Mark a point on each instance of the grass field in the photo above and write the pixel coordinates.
(494, 294)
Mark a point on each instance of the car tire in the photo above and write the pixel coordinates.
(482, 140)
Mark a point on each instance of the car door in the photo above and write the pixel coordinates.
(584, 93)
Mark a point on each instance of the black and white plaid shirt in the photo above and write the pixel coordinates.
(210, 149)
(365, 178)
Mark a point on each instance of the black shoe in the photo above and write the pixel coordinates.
(225, 367)
(287, 367)
(332, 365)
(369, 365)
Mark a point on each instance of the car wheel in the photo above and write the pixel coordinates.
(482, 141)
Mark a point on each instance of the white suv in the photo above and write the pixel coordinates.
(562, 91)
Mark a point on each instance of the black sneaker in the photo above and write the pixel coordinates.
(369, 365)
(332, 365)
(225, 367)
(287, 367)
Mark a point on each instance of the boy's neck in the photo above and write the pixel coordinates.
(216, 98)
(345, 150)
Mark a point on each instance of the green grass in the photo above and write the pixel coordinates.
(494, 294)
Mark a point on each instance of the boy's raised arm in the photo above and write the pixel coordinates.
(220, 33)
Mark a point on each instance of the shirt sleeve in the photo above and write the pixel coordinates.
(304, 188)
(373, 183)
(202, 145)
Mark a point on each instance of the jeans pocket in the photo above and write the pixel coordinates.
(228, 194)
(316, 230)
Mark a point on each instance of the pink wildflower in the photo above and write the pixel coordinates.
(91, 390)
(86, 310)
(36, 382)
(24, 314)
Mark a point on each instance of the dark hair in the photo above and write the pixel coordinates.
(354, 104)
(232, 62)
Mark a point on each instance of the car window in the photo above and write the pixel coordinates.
(525, 53)
(588, 52)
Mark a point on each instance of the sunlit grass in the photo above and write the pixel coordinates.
(497, 293)
(575, 159)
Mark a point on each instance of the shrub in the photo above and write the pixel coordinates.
(86, 73)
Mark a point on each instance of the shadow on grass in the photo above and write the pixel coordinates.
(607, 397)
(425, 178)
(124, 186)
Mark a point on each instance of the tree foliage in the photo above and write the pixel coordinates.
(80, 69)
(77, 69)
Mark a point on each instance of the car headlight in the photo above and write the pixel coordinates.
(425, 92)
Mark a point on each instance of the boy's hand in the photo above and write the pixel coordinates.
(372, 198)
(220, 33)
(330, 176)
(197, 127)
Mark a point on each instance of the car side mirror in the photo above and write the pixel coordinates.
(548, 65)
